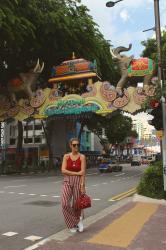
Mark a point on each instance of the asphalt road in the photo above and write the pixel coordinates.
(30, 205)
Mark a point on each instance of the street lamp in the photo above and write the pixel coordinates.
(158, 40)
(111, 4)
(154, 29)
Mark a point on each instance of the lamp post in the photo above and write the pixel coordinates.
(158, 40)
(111, 3)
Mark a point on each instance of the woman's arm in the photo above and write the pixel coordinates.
(83, 170)
(65, 171)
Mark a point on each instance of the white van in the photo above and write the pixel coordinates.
(136, 160)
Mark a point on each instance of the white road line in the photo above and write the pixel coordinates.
(43, 195)
(15, 186)
(32, 194)
(11, 192)
(112, 181)
(95, 185)
(104, 183)
(92, 174)
(2, 192)
(96, 199)
(33, 238)
(56, 196)
(9, 234)
(57, 181)
(119, 174)
(21, 193)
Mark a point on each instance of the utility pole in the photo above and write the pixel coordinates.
(158, 39)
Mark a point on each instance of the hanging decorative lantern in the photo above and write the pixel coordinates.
(154, 103)
(16, 82)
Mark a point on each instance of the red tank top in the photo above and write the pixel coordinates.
(74, 166)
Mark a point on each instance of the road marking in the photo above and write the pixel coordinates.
(56, 182)
(33, 238)
(32, 194)
(2, 192)
(123, 195)
(104, 183)
(92, 174)
(127, 194)
(119, 174)
(11, 192)
(9, 234)
(21, 193)
(96, 199)
(95, 185)
(15, 186)
(43, 195)
(121, 234)
(56, 196)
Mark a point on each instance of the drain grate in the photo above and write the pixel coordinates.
(43, 203)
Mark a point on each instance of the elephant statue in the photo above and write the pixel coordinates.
(25, 84)
(131, 68)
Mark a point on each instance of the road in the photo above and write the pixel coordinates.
(30, 205)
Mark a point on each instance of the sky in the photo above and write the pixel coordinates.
(124, 23)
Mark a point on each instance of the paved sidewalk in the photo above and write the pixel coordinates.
(132, 224)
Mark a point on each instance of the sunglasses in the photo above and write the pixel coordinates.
(76, 145)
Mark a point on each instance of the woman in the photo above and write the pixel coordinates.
(73, 169)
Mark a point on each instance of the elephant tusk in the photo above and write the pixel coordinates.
(112, 53)
(37, 66)
(42, 67)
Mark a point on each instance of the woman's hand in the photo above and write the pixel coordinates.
(80, 173)
(82, 188)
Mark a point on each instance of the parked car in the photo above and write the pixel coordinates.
(108, 165)
(136, 160)
(144, 160)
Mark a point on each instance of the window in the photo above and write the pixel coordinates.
(28, 127)
(28, 140)
(87, 136)
(38, 140)
(12, 141)
(12, 130)
(38, 127)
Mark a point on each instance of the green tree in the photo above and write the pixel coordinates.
(151, 51)
(50, 30)
(116, 126)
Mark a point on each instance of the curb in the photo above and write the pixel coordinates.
(65, 234)
(140, 198)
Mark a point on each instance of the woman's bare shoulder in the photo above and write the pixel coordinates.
(82, 156)
(66, 156)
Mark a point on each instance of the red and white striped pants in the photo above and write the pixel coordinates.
(70, 193)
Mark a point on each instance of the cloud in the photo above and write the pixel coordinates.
(124, 23)
(124, 15)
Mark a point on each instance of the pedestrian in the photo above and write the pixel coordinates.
(73, 169)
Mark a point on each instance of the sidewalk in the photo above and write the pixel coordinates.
(134, 224)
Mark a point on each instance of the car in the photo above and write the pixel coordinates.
(144, 160)
(108, 165)
(136, 160)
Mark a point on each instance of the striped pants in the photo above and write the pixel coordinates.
(70, 193)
